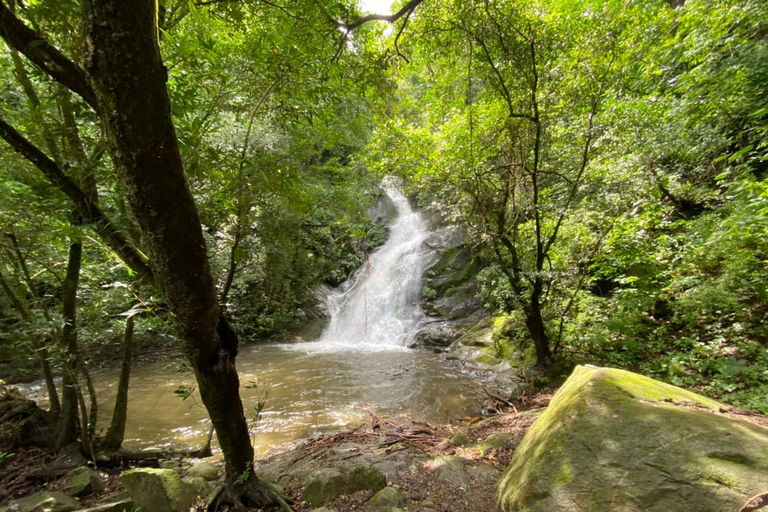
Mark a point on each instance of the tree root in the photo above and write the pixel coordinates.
(254, 493)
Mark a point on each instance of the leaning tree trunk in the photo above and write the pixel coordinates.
(116, 432)
(126, 71)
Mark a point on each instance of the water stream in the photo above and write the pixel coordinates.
(360, 364)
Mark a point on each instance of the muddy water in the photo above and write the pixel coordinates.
(311, 387)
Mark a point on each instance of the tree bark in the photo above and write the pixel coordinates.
(68, 424)
(127, 73)
(536, 328)
(116, 432)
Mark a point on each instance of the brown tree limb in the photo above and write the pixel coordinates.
(54, 63)
(90, 212)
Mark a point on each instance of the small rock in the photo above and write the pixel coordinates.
(323, 509)
(44, 502)
(84, 481)
(388, 497)
(204, 470)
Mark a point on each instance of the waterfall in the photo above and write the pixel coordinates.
(378, 307)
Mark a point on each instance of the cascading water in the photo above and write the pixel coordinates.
(379, 306)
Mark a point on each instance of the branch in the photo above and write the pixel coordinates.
(90, 212)
(24, 40)
(390, 18)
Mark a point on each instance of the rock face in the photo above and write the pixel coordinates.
(449, 295)
(614, 440)
(161, 490)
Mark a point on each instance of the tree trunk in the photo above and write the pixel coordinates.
(116, 432)
(535, 324)
(128, 76)
(68, 423)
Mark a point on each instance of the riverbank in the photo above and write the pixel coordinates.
(450, 467)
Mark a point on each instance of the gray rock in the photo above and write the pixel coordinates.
(84, 481)
(451, 469)
(204, 470)
(614, 440)
(362, 478)
(160, 490)
(388, 497)
(44, 502)
(436, 336)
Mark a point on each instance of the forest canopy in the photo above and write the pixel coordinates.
(191, 172)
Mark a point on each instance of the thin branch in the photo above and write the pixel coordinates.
(24, 40)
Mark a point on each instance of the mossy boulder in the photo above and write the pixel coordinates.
(43, 502)
(84, 481)
(162, 490)
(614, 440)
(324, 489)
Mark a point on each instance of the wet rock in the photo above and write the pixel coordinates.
(161, 490)
(388, 497)
(43, 502)
(324, 489)
(615, 440)
(436, 336)
(84, 481)
(204, 470)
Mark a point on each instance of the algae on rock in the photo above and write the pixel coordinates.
(615, 440)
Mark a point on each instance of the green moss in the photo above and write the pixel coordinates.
(610, 435)
(488, 359)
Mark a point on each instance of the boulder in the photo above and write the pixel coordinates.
(204, 470)
(43, 502)
(437, 336)
(325, 488)
(614, 440)
(84, 481)
(161, 490)
(388, 497)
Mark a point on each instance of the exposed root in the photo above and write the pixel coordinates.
(254, 493)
